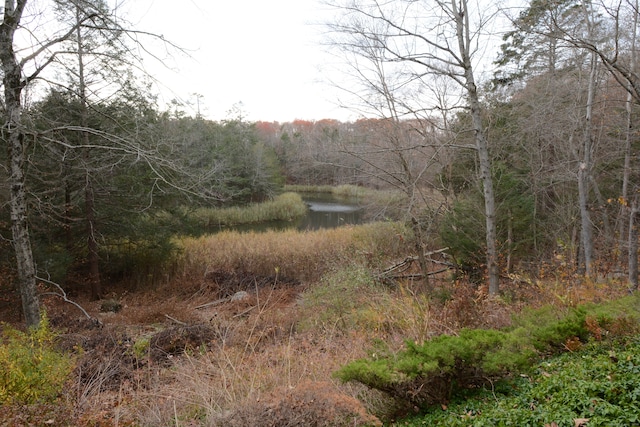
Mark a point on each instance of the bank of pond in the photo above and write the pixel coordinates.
(301, 211)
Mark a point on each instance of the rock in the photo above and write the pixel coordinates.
(239, 296)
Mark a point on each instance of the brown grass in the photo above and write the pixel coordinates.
(305, 256)
(267, 359)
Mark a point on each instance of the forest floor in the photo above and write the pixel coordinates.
(187, 357)
(232, 349)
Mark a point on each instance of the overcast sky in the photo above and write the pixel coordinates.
(265, 54)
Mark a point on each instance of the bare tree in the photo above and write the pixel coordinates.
(431, 40)
(629, 133)
(584, 172)
(21, 66)
(617, 53)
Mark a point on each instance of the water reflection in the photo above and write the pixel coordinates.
(329, 212)
(325, 211)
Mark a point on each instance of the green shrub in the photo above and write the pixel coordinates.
(443, 367)
(600, 383)
(428, 373)
(548, 328)
(31, 370)
(141, 347)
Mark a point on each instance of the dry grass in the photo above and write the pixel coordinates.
(258, 361)
(303, 255)
(284, 207)
(312, 305)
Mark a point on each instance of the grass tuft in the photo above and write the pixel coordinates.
(285, 207)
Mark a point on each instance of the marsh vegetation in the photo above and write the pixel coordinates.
(250, 328)
(156, 269)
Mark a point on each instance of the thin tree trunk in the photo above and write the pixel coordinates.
(92, 243)
(509, 241)
(489, 205)
(68, 209)
(633, 246)
(624, 208)
(584, 172)
(15, 137)
(632, 242)
(464, 42)
(90, 209)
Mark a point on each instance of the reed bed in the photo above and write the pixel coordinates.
(285, 207)
(301, 255)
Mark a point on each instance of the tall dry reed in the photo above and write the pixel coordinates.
(285, 207)
(301, 255)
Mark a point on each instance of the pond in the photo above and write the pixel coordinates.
(328, 211)
(325, 211)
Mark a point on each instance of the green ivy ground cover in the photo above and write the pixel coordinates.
(596, 386)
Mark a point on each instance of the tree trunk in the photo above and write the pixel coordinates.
(509, 242)
(92, 243)
(624, 209)
(15, 137)
(633, 246)
(19, 226)
(464, 42)
(89, 194)
(584, 172)
(626, 177)
(489, 202)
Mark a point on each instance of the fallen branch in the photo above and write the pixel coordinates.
(213, 303)
(437, 251)
(64, 297)
(395, 271)
(175, 320)
(416, 275)
(406, 264)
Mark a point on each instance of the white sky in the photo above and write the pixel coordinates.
(266, 54)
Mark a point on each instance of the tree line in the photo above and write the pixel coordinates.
(547, 126)
(532, 165)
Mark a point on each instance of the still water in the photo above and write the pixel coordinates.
(327, 211)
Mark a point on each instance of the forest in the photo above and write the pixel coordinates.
(500, 235)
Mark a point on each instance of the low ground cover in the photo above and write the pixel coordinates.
(430, 373)
(248, 329)
(597, 385)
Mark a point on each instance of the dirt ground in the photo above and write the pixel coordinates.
(140, 354)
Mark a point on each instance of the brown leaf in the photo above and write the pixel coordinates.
(580, 422)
